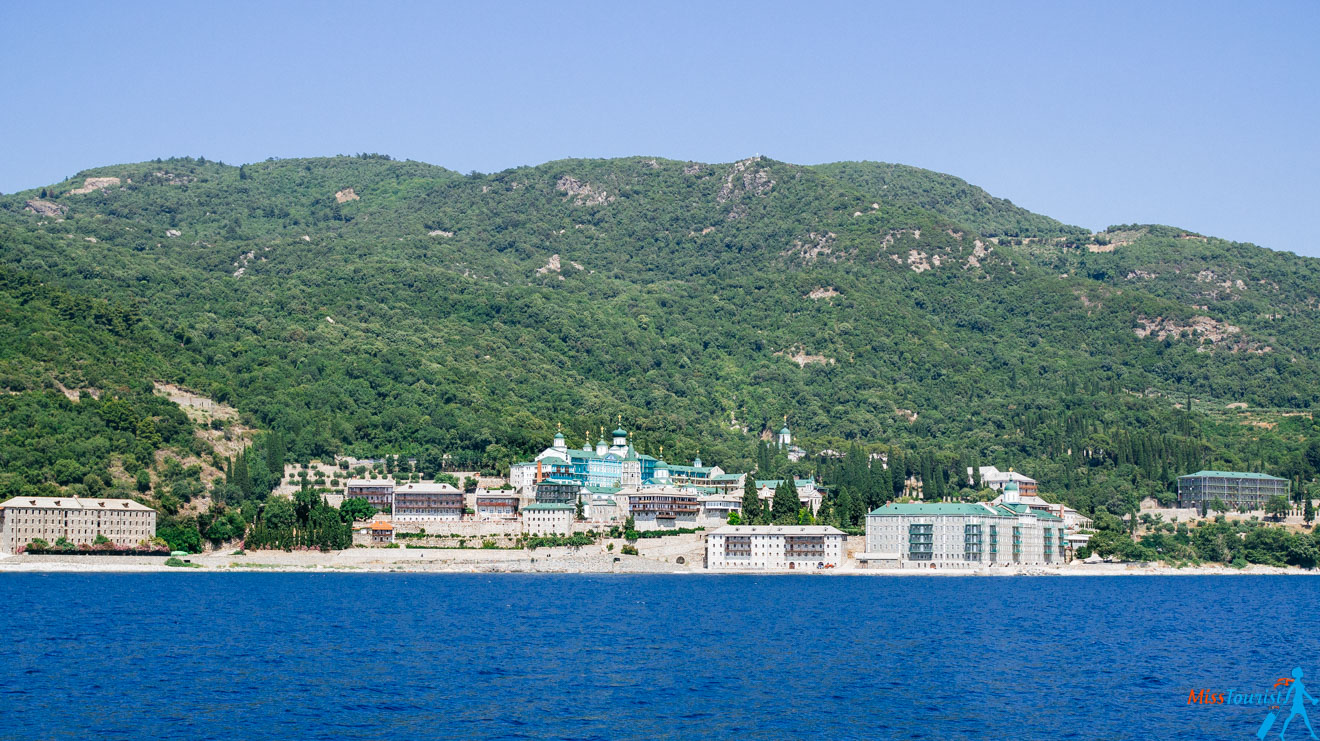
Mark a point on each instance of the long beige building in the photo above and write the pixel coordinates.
(123, 521)
(427, 501)
(761, 547)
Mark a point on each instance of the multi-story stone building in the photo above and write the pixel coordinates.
(427, 501)
(548, 519)
(558, 490)
(663, 508)
(761, 547)
(715, 509)
(124, 522)
(965, 536)
(497, 505)
(701, 476)
(379, 493)
(1235, 489)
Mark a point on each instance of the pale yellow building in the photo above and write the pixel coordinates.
(124, 522)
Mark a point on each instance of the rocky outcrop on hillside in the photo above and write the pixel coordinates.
(92, 184)
(583, 194)
(46, 208)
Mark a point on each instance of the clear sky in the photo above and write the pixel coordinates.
(1199, 114)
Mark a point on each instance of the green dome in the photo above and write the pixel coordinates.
(620, 432)
(784, 430)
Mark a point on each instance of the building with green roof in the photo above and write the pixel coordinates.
(963, 535)
(1236, 489)
(612, 466)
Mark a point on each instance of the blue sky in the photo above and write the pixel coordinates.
(1198, 114)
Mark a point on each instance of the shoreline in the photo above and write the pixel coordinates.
(562, 560)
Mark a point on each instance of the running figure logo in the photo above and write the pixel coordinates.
(1298, 695)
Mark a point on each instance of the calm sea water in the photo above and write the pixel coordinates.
(292, 656)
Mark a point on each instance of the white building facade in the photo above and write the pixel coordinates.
(993, 478)
(775, 547)
(548, 519)
(963, 536)
(715, 509)
(497, 505)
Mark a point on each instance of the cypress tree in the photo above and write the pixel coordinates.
(826, 511)
(858, 516)
(882, 486)
(241, 478)
(784, 507)
(751, 503)
(897, 472)
(276, 450)
(1308, 514)
(843, 510)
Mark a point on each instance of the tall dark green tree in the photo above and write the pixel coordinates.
(751, 501)
(897, 472)
(843, 509)
(241, 478)
(276, 450)
(784, 507)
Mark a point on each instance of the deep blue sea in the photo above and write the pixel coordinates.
(393, 656)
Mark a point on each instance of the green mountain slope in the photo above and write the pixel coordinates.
(953, 198)
(368, 305)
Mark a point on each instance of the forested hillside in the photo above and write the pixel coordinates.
(365, 305)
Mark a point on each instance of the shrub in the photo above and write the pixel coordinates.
(629, 550)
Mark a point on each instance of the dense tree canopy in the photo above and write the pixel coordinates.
(369, 306)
